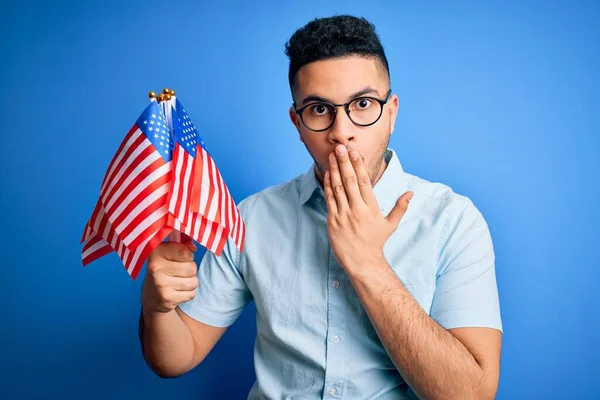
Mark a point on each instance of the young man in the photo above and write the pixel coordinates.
(369, 282)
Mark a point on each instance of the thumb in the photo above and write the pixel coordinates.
(190, 244)
(399, 209)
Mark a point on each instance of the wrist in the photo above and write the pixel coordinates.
(366, 268)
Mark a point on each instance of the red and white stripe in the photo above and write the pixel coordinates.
(216, 202)
(209, 234)
(100, 239)
(208, 204)
(135, 189)
(180, 195)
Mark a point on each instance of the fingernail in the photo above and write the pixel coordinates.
(354, 155)
(341, 150)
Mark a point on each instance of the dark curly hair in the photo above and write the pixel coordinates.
(333, 37)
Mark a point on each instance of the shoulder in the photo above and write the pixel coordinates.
(452, 209)
(462, 235)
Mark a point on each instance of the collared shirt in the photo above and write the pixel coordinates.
(314, 338)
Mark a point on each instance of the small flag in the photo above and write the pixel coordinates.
(200, 202)
(161, 183)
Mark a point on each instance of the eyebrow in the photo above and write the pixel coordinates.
(362, 92)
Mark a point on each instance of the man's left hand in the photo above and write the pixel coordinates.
(357, 228)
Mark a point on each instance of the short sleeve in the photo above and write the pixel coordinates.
(222, 293)
(466, 293)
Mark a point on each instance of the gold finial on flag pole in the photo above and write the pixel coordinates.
(172, 92)
(168, 96)
(166, 91)
(152, 95)
(161, 97)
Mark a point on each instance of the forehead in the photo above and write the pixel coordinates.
(338, 78)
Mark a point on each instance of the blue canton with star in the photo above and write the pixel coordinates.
(185, 130)
(154, 125)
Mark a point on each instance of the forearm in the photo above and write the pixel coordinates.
(433, 362)
(167, 343)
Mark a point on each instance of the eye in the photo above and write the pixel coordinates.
(319, 109)
(362, 104)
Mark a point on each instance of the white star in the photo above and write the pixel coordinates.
(150, 129)
(152, 122)
(153, 116)
(155, 136)
(145, 122)
(162, 143)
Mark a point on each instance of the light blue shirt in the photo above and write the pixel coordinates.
(314, 339)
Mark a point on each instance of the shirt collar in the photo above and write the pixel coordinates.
(308, 184)
(386, 189)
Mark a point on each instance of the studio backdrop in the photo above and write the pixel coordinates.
(498, 100)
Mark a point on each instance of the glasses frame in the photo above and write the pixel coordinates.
(346, 106)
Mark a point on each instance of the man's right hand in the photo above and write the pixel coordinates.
(170, 277)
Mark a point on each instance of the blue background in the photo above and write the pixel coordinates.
(498, 100)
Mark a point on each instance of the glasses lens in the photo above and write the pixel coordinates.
(364, 111)
(318, 116)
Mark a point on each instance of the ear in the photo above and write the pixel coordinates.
(393, 103)
(295, 118)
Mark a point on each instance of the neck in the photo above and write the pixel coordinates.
(382, 169)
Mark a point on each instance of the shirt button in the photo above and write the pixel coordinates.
(336, 339)
(336, 284)
(332, 391)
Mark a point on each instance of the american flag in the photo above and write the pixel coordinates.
(131, 216)
(148, 193)
(200, 203)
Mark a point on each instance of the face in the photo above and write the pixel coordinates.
(339, 81)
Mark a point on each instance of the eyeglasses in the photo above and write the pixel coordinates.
(362, 111)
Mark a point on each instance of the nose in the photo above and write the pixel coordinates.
(342, 130)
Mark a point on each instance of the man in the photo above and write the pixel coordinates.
(369, 282)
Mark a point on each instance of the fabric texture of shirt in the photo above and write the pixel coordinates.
(314, 339)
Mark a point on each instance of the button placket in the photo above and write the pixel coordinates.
(335, 351)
